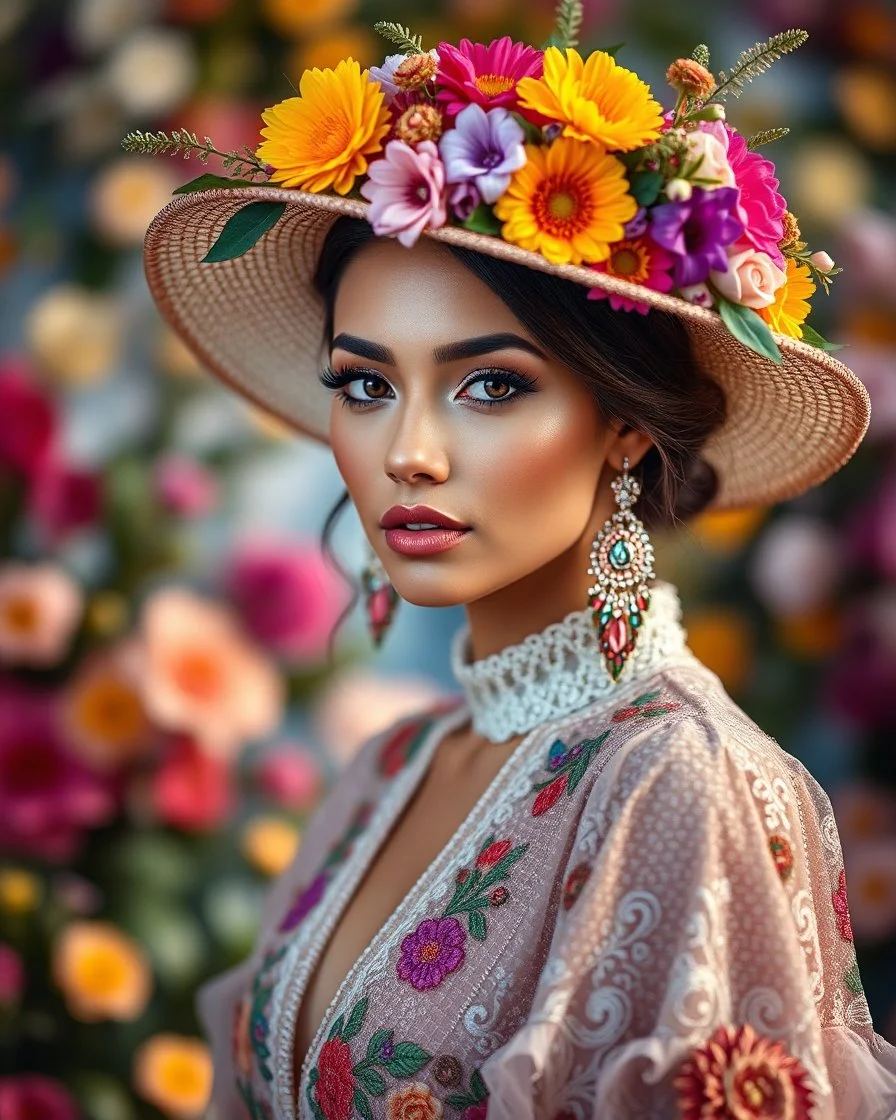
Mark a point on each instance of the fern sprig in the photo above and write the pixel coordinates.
(568, 24)
(238, 163)
(755, 61)
(767, 136)
(400, 36)
(700, 54)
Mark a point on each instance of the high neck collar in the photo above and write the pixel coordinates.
(559, 670)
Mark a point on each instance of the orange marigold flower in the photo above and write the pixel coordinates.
(691, 78)
(791, 306)
(174, 1072)
(103, 973)
(415, 71)
(791, 230)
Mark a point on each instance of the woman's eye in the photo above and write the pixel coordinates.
(374, 388)
(495, 388)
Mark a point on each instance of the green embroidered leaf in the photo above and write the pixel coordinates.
(208, 181)
(372, 1081)
(478, 928)
(749, 328)
(852, 978)
(242, 230)
(376, 1042)
(355, 1019)
(812, 336)
(645, 698)
(488, 843)
(407, 1058)
(483, 220)
(362, 1104)
(312, 1100)
(578, 771)
(646, 186)
(336, 1029)
(459, 1101)
(478, 1086)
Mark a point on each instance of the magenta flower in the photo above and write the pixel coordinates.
(48, 798)
(475, 74)
(435, 948)
(185, 487)
(64, 499)
(483, 148)
(406, 189)
(697, 232)
(25, 444)
(287, 596)
(290, 776)
(30, 1095)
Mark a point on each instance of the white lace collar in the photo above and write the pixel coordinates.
(558, 671)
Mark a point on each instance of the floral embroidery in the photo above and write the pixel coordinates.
(258, 1022)
(741, 1073)
(568, 766)
(337, 1088)
(646, 706)
(853, 979)
(416, 1102)
(240, 1046)
(437, 946)
(782, 854)
(401, 747)
(447, 1070)
(473, 1103)
(841, 908)
(574, 884)
(257, 1108)
(308, 898)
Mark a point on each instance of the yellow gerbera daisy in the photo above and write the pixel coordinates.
(322, 139)
(791, 308)
(595, 99)
(569, 202)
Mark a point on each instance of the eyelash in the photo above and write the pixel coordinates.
(334, 380)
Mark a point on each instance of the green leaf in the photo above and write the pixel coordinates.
(483, 220)
(853, 979)
(355, 1019)
(645, 698)
(459, 1100)
(207, 181)
(336, 1029)
(755, 61)
(407, 1059)
(477, 925)
(362, 1104)
(376, 1042)
(612, 50)
(372, 1081)
(812, 336)
(749, 328)
(646, 186)
(767, 136)
(700, 54)
(478, 1085)
(400, 36)
(242, 230)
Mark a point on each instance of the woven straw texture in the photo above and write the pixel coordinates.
(256, 323)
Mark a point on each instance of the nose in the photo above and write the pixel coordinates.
(416, 451)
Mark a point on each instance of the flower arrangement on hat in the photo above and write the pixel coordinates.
(566, 156)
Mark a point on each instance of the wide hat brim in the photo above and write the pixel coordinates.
(257, 324)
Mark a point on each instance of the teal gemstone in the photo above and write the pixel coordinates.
(620, 557)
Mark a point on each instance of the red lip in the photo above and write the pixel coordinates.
(399, 516)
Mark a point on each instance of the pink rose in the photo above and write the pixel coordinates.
(752, 278)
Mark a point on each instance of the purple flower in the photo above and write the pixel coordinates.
(435, 948)
(305, 903)
(406, 189)
(698, 231)
(485, 148)
(383, 75)
(637, 226)
(463, 200)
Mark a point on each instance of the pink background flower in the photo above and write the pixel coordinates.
(184, 486)
(192, 789)
(291, 777)
(40, 605)
(30, 1096)
(25, 444)
(65, 498)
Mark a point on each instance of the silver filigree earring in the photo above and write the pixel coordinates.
(621, 563)
(381, 598)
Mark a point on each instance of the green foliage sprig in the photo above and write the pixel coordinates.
(700, 54)
(753, 62)
(242, 162)
(568, 24)
(767, 136)
(400, 36)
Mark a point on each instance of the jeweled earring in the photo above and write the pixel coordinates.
(381, 597)
(621, 563)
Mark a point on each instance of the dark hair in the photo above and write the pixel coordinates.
(641, 370)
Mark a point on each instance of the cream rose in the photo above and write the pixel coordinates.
(752, 279)
(714, 164)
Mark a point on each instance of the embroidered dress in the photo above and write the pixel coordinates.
(644, 917)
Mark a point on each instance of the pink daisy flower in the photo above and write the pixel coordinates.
(640, 261)
(475, 74)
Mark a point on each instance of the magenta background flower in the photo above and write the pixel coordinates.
(65, 498)
(291, 777)
(406, 189)
(287, 596)
(48, 798)
(476, 74)
(483, 148)
(871, 529)
(12, 975)
(29, 1096)
(184, 486)
(435, 948)
(697, 232)
(305, 903)
(25, 444)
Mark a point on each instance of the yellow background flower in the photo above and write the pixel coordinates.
(595, 99)
(103, 973)
(20, 891)
(174, 1072)
(269, 844)
(791, 308)
(322, 139)
(569, 201)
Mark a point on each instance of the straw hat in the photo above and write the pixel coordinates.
(257, 324)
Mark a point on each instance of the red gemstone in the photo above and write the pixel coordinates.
(617, 635)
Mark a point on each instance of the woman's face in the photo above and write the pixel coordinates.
(428, 346)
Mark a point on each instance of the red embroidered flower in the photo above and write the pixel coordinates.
(573, 888)
(657, 708)
(475, 1111)
(394, 754)
(741, 1075)
(549, 796)
(493, 854)
(498, 896)
(841, 908)
(782, 854)
(335, 1087)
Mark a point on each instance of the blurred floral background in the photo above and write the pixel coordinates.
(169, 717)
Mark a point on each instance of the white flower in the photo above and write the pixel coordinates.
(714, 163)
(678, 190)
(752, 278)
(152, 71)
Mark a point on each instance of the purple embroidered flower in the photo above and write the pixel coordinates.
(483, 148)
(576, 751)
(406, 189)
(305, 902)
(463, 200)
(698, 231)
(435, 948)
(558, 760)
(388, 1048)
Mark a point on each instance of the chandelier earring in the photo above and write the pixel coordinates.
(381, 598)
(622, 564)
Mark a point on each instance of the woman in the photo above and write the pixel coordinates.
(589, 886)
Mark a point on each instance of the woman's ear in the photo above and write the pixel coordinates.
(627, 443)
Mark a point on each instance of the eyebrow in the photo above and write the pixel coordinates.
(451, 352)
